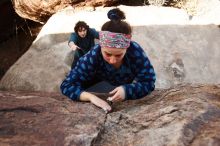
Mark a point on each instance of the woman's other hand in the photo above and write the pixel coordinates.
(118, 94)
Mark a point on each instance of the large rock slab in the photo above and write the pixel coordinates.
(181, 50)
(182, 116)
(182, 53)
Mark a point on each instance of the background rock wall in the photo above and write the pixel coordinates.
(181, 50)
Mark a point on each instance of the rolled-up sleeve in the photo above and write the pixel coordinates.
(73, 38)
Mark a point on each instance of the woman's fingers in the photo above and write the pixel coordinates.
(113, 91)
(116, 97)
(101, 103)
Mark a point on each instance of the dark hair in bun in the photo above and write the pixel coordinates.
(115, 24)
(116, 14)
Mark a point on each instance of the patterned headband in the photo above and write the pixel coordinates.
(114, 40)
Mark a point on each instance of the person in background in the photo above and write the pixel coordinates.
(82, 40)
(116, 60)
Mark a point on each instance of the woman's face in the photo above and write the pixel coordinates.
(82, 32)
(113, 56)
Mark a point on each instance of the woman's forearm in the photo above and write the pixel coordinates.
(86, 96)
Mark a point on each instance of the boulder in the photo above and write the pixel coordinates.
(186, 115)
(41, 10)
(180, 49)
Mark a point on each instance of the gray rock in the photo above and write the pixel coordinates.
(182, 54)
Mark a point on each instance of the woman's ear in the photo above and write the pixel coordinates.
(129, 35)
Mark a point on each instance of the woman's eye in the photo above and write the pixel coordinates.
(107, 54)
(118, 56)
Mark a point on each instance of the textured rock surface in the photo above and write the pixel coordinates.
(181, 116)
(47, 119)
(41, 10)
(180, 53)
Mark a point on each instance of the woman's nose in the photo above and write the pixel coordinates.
(112, 60)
